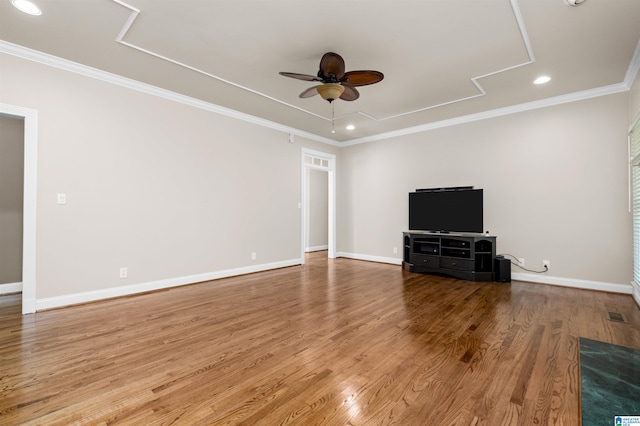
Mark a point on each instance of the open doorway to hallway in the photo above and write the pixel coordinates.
(318, 202)
(29, 119)
(317, 211)
(11, 203)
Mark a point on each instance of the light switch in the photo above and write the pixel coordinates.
(62, 198)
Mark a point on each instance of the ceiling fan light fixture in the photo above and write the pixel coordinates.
(27, 7)
(330, 91)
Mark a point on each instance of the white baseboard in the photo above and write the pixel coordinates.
(316, 248)
(370, 258)
(10, 288)
(108, 293)
(573, 282)
(540, 279)
(92, 296)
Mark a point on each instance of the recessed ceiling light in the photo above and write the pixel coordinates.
(542, 80)
(27, 7)
(350, 127)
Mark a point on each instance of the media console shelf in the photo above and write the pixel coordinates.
(461, 255)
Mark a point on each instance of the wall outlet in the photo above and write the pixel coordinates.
(253, 255)
(546, 264)
(124, 272)
(521, 261)
(395, 250)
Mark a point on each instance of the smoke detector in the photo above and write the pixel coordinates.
(573, 2)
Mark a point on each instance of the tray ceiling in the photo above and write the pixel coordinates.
(442, 59)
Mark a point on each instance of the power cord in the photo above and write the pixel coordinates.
(546, 268)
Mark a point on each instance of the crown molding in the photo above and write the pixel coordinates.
(625, 85)
(87, 71)
(74, 67)
(634, 66)
(513, 109)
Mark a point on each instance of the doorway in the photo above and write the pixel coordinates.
(317, 211)
(30, 119)
(11, 192)
(324, 162)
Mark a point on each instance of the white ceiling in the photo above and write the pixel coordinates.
(442, 59)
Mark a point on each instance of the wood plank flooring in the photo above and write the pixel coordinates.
(333, 342)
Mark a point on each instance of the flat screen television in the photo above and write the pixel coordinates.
(446, 210)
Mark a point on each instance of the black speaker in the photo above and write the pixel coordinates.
(502, 269)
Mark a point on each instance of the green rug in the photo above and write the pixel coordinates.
(610, 384)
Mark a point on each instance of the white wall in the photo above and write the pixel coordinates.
(11, 188)
(169, 191)
(162, 188)
(554, 180)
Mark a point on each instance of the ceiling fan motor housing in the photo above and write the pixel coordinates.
(328, 78)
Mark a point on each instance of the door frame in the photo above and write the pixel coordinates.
(30, 117)
(317, 160)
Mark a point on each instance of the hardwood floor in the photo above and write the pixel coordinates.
(333, 342)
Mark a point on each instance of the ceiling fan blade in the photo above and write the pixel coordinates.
(332, 64)
(350, 93)
(362, 78)
(305, 77)
(311, 91)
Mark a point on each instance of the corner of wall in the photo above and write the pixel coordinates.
(636, 293)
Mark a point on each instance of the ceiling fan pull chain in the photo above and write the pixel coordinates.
(333, 117)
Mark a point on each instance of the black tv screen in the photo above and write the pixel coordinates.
(446, 210)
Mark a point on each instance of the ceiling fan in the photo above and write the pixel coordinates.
(336, 83)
